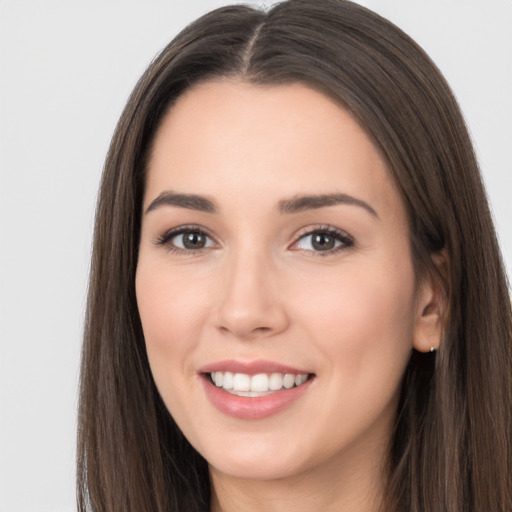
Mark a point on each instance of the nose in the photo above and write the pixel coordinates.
(251, 304)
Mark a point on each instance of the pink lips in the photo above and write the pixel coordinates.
(251, 408)
(249, 367)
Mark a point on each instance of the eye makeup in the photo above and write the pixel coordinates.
(323, 240)
(186, 240)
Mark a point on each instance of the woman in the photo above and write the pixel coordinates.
(297, 298)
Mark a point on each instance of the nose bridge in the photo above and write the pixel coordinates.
(250, 303)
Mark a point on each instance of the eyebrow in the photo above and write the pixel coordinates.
(296, 204)
(303, 203)
(188, 201)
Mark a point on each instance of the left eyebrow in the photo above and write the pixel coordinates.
(187, 201)
(303, 203)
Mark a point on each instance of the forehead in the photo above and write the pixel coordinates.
(225, 138)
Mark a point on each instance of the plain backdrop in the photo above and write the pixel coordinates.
(66, 69)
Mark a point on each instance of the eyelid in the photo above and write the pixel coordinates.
(167, 236)
(347, 241)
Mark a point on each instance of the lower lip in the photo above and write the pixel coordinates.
(253, 408)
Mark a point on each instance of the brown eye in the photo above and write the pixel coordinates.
(322, 242)
(326, 241)
(193, 240)
(186, 239)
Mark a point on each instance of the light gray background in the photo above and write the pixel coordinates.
(66, 69)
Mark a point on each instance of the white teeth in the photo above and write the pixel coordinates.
(288, 381)
(256, 385)
(299, 379)
(259, 382)
(241, 382)
(228, 381)
(218, 379)
(275, 382)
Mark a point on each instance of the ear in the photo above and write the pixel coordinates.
(431, 308)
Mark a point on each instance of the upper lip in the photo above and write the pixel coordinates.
(250, 367)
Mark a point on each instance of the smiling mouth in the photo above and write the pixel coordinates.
(261, 384)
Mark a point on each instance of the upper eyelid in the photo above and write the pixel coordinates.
(347, 240)
(306, 231)
(178, 230)
(323, 229)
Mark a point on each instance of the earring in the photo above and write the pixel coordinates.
(432, 349)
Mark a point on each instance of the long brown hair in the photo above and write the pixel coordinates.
(451, 449)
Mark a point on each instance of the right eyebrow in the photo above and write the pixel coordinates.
(188, 201)
(302, 203)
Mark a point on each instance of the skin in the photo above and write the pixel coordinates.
(260, 290)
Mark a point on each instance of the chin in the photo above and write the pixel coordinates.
(257, 459)
(259, 469)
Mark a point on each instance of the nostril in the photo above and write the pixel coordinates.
(261, 329)
(241, 330)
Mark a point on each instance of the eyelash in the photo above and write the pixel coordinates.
(346, 241)
(165, 239)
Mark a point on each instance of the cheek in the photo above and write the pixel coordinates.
(172, 310)
(361, 323)
(362, 319)
(172, 315)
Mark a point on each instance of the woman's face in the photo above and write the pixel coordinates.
(275, 249)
